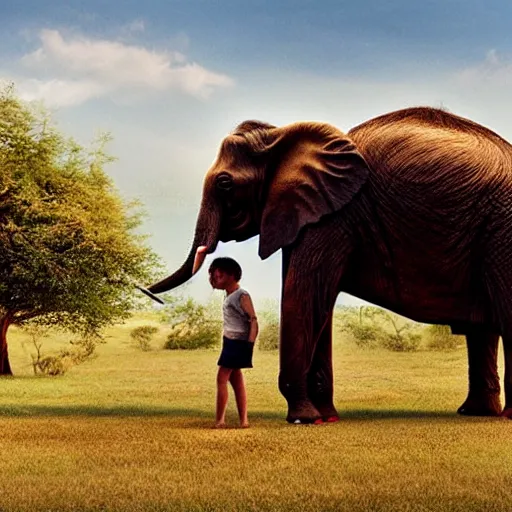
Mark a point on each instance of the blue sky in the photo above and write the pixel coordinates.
(169, 79)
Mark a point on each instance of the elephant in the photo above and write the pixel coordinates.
(410, 210)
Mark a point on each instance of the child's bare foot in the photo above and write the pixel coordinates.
(244, 425)
(220, 425)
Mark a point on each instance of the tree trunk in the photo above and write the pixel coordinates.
(5, 367)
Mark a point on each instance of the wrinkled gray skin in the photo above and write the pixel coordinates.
(411, 211)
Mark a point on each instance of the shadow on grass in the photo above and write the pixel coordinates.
(389, 414)
(99, 411)
(171, 412)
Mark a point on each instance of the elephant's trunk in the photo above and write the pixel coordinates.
(207, 234)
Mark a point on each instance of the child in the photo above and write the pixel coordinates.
(239, 334)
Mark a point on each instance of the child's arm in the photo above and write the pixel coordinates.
(246, 304)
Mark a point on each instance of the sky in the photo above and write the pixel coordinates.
(169, 79)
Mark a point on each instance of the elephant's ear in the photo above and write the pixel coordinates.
(316, 170)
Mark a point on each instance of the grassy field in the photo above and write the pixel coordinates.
(130, 430)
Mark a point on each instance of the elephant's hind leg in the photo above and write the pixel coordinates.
(499, 279)
(484, 383)
(320, 376)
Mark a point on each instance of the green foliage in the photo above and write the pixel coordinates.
(372, 327)
(268, 338)
(193, 325)
(52, 366)
(268, 311)
(440, 337)
(59, 364)
(401, 341)
(365, 333)
(268, 319)
(69, 245)
(403, 336)
(142, 336)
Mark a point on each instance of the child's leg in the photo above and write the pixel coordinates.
(237, 381)
(222, 395)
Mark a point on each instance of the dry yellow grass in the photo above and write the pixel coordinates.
(130, 430)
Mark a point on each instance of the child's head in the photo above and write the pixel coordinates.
(224, 271)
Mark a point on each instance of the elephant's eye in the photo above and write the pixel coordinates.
(224, 182)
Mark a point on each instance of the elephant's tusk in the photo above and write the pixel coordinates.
(149, 294)
(199, 259)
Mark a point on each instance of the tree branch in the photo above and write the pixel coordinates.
(23, 317)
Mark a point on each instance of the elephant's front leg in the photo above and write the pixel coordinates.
(306, 307)
(296, 353)
(320, 376)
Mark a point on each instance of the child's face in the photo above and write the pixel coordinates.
(220, 280)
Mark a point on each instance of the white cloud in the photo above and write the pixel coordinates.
(93, 68)
(60, 93)
(136, 26)
(494, 70)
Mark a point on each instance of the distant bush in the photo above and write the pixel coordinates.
(193, 326)
(371, 327)
(401, 341)
(142, 336)
(268, 319)
(365, 336)
(59, 364)
(268, 338)
(365, 332)
(52, 365)
(440, 337)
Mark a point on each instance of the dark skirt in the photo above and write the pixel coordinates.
(236, 353)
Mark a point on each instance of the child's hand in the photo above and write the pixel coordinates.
(199, 259)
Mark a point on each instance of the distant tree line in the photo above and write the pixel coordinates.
(190, 325)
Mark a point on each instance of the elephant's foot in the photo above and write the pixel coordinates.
(327, 411)
(487, 404)
(304, 414)
(507, 412)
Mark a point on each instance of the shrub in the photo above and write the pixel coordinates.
(440, 337)
(268, 338)
(142, 336)
(365, 335)
(363, 330)
(52, 365)
(372, 327)
(401, 342)
(184, 338)
(59, 364)
(85, 348)
(193, 326)
(268, 318)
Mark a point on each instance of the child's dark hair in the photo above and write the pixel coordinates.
(228, 265)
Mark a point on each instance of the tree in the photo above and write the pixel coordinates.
(69, 247)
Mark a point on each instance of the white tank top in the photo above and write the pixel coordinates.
(237, 323)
